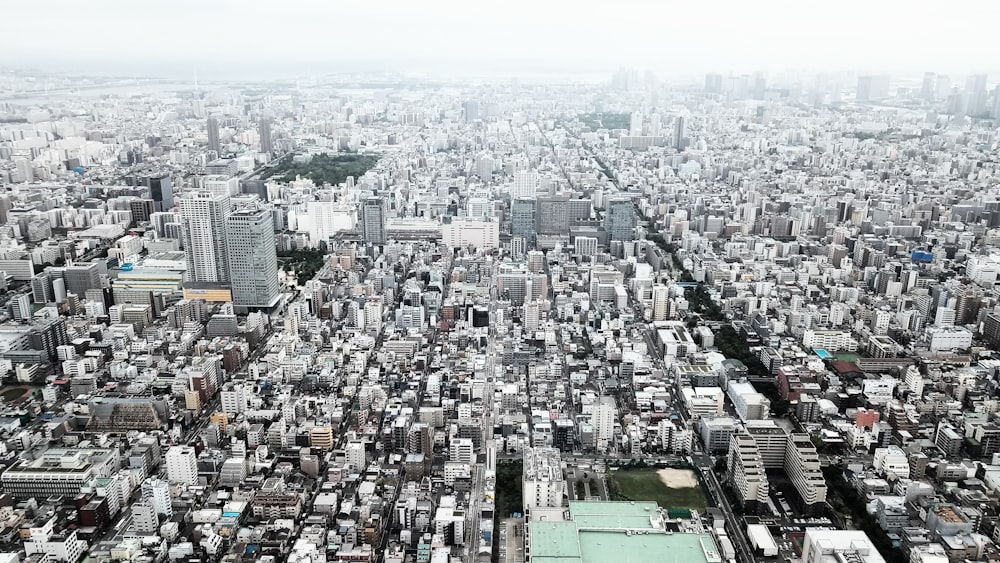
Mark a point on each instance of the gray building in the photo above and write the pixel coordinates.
(522, 220)
(619, 219)
(81, 277)
(372, 220)
(213, 135)
(253, 264)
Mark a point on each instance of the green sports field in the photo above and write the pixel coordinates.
(645, 484)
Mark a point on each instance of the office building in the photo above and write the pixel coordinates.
(619, 219)
(266, 145)
(522, 220)
(253, 264)
(58, 471)
(203, 217)
(213, 135)
(161, 191)
(372, 219)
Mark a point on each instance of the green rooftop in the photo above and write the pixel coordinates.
(616, 531)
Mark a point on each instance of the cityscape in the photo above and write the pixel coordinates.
(395, 316)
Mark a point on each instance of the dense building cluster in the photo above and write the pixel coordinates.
(328, 322)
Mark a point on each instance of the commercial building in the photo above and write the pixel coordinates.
(253, 264)
(58, 471)
(598, 532)
(830, 546)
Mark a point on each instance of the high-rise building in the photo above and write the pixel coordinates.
(253, 264)
(266, 145)
(161, 191)
(872, 88)
(928, 89)
(680, 132)
(213, 135)
(470, 110)
(635, 124)
(522, 220)
(203, 216)
(81, 277)
(713, 83)
(803, 469)
(182, 465)
(372, 220)
(619, 220)
(746, 472)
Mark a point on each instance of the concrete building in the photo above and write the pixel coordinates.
(182, 465)
(544, 485)
(803, 469)
(253, 264)
(828, 546)
(203, 216)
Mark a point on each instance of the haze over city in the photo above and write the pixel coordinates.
(518, 282)
(232, 39)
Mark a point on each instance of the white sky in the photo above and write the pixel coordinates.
(668, 36)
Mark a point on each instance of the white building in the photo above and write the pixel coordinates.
(803, 469)
(157, 493)
(891, 460)
(748, 403)
(829, 546)
(703, 401)
(462, 450)
(832, 340)
(235, 398)
(604, 417)
(203, 217)
(460, 233)
(544, 486)
(182, 465)
(746, 471)
(941, 339)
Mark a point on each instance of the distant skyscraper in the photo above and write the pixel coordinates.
(470, 111)
(975, 95)
(928, 88)
(265, 135)
(203, 216)
(680, 132)
(253, 264)
(872, 88)
(620, 219)
(635, 124)
(213, 135)
(372, 219)
(713, 83)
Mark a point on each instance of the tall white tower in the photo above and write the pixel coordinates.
(203, 216)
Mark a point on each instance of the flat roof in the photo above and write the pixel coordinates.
(609, 531)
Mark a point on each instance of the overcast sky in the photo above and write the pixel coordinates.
(667, 36)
